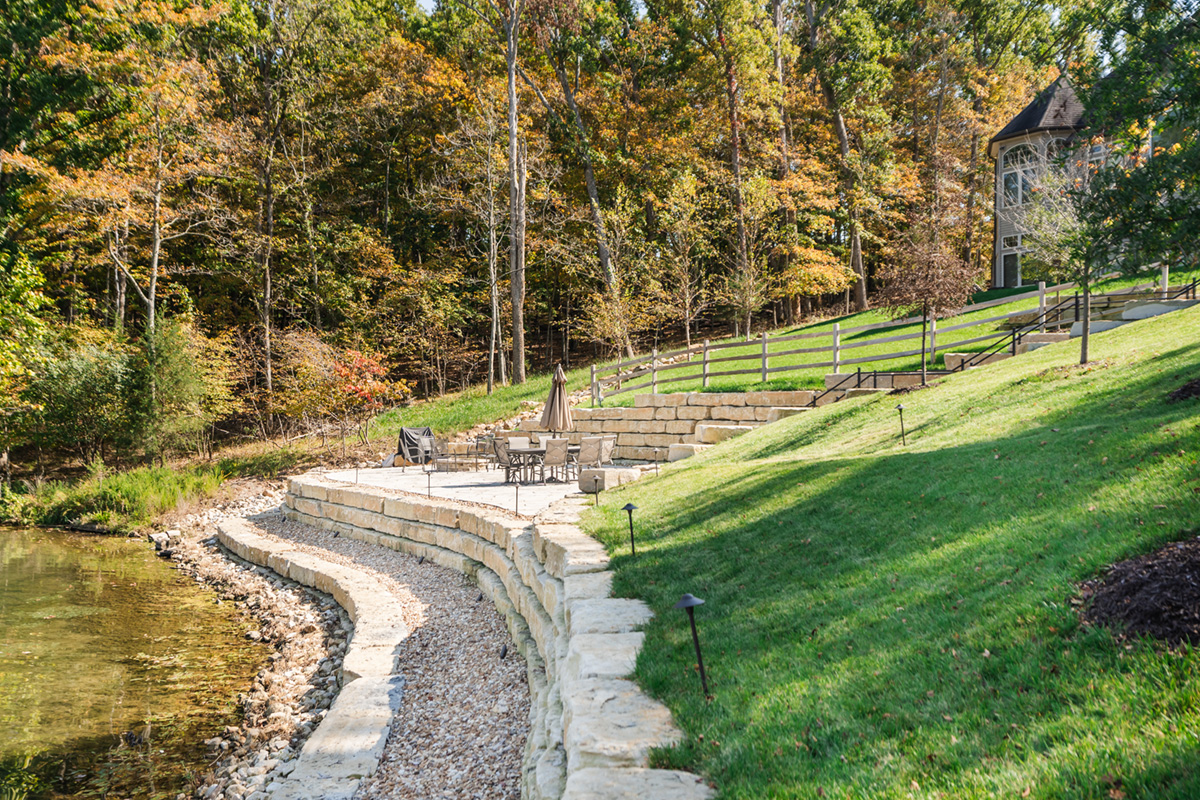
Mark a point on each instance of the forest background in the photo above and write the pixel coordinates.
(257, 216)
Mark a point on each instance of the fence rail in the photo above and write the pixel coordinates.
(697, 362)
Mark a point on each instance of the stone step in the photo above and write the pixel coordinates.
(865, 392)
(1097, 326)
(1145, 309)
(955, 360)
(776, 414)
(715, 434)
(1046, 338)
(678, 452)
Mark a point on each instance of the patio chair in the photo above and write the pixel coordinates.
(590, 452)
(503, 459)
(556, 460)
(482, 450)
(607, 445)
(438, 457)
(518, 442)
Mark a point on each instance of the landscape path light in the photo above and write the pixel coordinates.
(629, 508)
(688, 602)
(903, 437)
(595, 490)
(656, 461)
(516, 497)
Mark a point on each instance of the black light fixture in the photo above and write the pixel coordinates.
(595, 490)
(656, 461)
(516, 497)
(903, 437)
(689, 602)
(629, 508)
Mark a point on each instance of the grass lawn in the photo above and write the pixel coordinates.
(860, 345)
(889, 621)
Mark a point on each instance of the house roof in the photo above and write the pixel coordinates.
(1056, 108)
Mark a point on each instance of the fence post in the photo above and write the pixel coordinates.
(654, 371)
(837, 347)
(1166, 279)
(1077, 306)
(1042, 306)
(593, 385)
(932, 340)
(764, 357)
(704, 367)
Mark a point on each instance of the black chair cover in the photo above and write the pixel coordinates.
(410, 444)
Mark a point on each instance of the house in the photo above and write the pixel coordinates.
(1032, 139)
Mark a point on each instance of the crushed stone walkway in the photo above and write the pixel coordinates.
(462, 724)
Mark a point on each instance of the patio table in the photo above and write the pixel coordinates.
(529, 457)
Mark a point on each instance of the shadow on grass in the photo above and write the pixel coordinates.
(878, 622)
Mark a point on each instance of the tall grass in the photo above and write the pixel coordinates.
(122, 502)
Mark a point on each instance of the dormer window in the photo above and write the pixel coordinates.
(1017, 175)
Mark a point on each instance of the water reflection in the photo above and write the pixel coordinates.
(100, 638)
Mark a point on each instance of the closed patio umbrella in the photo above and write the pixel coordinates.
(557, 416)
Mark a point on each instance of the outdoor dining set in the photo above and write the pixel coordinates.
(525, 458)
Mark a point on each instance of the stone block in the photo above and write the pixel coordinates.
(610, 723)
(647, 400)
(776, 414)
(399, 508)
(864, 392)
(306, 505)
(312, 489)
(600, 783)
(706, 399)
(678, 452)
(681, 426)
(733, 413)
(631, 439)
(660, 439)
(901, 380)
(827, 397)
(640, 413)
(602, 655)
(588, 425)
(715, 434)
(604, 478)
(692, 412)
(612, 413)
(1098, 326)
(667, 412)
(954, 361)
(573, 553)
(606, 615)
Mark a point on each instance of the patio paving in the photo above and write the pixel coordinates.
(485, 486)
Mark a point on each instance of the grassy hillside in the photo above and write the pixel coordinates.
(861, 345)
(889, 621)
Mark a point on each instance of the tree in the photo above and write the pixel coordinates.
(929, 275)
(1060, 243)
(158, 188)
(844, 48)
(1143, 205)
(685, 281)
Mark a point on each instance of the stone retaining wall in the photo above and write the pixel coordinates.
(592, 729)
(661, 420)
(347, 745)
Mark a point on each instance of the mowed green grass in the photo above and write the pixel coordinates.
(460, 411)
(860, 345)
(887, 621)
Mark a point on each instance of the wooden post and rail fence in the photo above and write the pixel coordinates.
(696, 363)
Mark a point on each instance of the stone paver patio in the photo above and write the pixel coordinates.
(485, 486)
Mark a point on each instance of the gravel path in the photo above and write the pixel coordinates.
(462, 725)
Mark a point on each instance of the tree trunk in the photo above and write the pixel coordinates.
(735, 151)
(849, 179)
(516, 201)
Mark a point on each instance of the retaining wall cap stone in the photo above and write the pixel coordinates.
(597, 783)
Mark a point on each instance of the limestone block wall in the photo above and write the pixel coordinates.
(661, 420)
(592, 729)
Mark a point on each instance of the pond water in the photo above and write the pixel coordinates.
(114, 667)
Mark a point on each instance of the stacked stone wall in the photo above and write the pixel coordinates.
(646, 431)
(592, 729)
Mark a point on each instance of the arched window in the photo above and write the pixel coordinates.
(1017, 176)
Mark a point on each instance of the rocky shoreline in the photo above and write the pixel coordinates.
(292, 693)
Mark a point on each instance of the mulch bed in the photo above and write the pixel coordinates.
(1186, 392)
(1153, 595)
